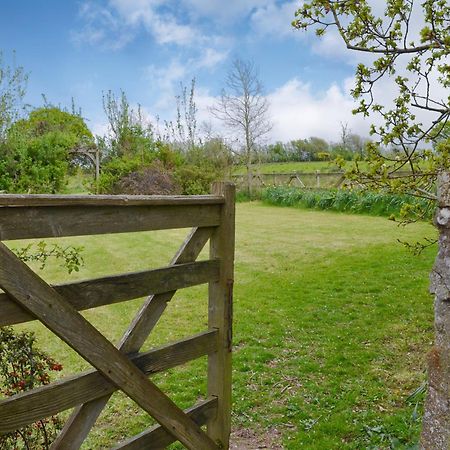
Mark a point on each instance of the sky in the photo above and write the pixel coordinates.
(146, 48)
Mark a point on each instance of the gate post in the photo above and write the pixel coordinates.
(436, 420)
(220, 316)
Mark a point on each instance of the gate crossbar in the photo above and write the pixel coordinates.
(27, 296)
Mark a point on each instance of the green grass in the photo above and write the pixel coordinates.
(332, 323)
(289, 167)
(77, 183)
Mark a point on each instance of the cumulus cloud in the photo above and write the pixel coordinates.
(165, 80)
(299, 112)
(274, 20)
(101, 28)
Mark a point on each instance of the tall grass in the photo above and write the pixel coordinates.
(353, 201)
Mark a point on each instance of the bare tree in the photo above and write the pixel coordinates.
(244, 110)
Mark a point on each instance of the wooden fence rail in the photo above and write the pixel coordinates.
(28, 297)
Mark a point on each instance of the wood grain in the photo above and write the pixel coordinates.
(83, 418)
(28, 407)
(21, 283)
(221, 317)
(157, 438)
(110, 200)
(78, 220)
(92, 293)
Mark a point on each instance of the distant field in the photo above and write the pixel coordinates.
(332, 324)
(288, 167)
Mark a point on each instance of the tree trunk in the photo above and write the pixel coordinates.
(436, 421)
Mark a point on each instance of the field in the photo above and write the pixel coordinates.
(289, 167)
(332, 324)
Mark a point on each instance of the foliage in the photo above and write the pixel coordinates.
(415, 61)
(41, 252)
(183, 133)
(13, 81)
(290, 167)
(117, 168)
(24, 367)
(350, 201)
(34, 156)
(314, 149)
(194, 179)
(130, 133)
(202, 165)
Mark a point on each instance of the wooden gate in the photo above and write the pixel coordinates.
(28, 297)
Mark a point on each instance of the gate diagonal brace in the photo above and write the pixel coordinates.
(84, 417)
(40, 299)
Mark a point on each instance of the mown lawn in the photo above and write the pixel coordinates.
(332, 324)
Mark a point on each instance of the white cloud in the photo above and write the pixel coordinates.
(299, 112)
(274, 20)
(101, 28)
(166, 80)
(221, 11)
(163, 26)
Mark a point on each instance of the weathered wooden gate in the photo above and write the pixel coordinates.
(28, 297)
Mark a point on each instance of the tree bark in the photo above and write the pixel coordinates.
(436, 421)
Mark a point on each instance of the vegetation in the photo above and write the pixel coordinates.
(410, 47)
(414, 55)
(24, 367)
(350, 201)
(334, 357)
(34, 156)
(291, 167)
(350, 147)
(244, 110)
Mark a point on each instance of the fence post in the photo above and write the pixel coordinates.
(436, 420)
(220, 313)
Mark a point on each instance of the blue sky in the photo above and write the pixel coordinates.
(147, 47)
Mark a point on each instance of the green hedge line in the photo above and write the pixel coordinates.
(353, 201)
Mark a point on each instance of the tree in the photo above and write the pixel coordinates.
(416, 59)
(13, 82)
(34, 155)
(130, 133)
(183, 133)
(244, 110)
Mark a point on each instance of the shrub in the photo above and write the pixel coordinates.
(24, 367)
(196, 179)
(153, 180)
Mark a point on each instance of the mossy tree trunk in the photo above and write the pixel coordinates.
(436, 422)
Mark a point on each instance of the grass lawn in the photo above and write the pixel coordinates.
(332, 324)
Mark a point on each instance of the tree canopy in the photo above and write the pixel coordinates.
(409, 44)
(35, 154)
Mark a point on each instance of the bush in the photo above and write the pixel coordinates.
(196, 180)
(24, 367)
(153, 180)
